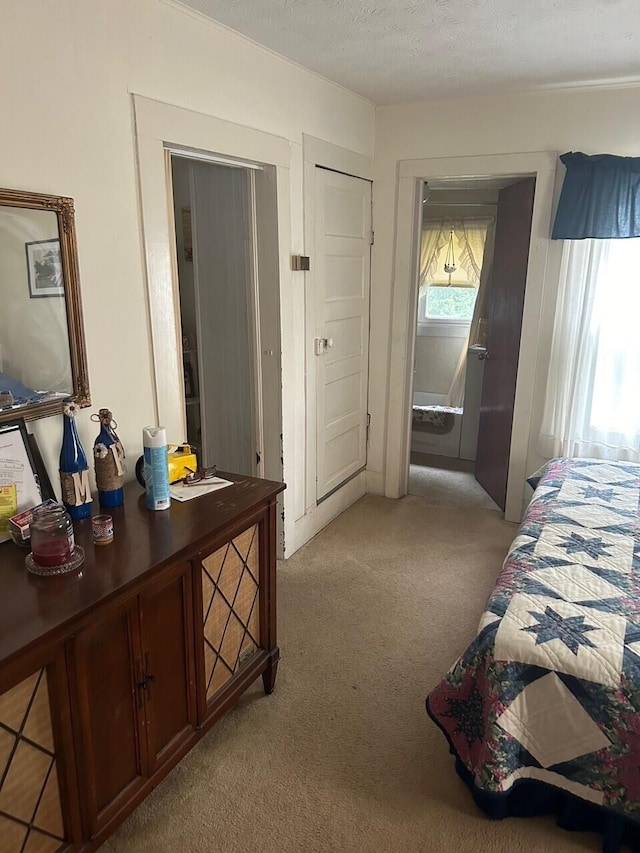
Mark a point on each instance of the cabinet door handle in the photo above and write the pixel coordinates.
(149, 677)
(141, 682)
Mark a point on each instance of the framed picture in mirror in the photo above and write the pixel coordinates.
(44, 268)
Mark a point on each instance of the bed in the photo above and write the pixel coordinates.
(541, 710)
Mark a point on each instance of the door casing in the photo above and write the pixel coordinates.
(159, 129)
(411, 176)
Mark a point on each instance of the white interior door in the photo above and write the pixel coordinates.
(343, 268)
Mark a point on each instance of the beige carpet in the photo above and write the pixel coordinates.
(342, 757)
(444, 487)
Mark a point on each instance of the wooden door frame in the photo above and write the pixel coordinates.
(411, 175)
(159, 128)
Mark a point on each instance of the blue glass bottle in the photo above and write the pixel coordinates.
(74, 469)
(108, 456)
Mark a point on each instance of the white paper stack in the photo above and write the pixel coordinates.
(180, 492)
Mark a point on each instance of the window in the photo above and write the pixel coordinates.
(615, 403)
(593, 405)
(446, 299)
(450, 303)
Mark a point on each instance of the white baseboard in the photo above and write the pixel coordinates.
(375, 482)
(320, 515)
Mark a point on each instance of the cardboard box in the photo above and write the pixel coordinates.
(19, 525)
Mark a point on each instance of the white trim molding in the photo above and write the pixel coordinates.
(158, 128)
(411, 175)
(319, 152)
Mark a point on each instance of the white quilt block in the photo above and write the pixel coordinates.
(575, 583)
(597, 548)
(562, 636)
(522, 540)
(601, 472)
(595, 517)
(598, 494)
(542, 492)
(550, 723)
(487, 618)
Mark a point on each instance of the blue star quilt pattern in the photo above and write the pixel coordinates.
(549, 689)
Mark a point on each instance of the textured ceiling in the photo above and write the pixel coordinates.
(404, 50)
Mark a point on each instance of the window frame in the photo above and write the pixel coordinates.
(441, 327)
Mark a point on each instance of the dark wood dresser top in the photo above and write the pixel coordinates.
(33, 607)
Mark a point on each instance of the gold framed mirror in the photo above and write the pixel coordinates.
(43, 359)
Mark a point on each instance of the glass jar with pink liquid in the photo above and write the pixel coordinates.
(53, 548)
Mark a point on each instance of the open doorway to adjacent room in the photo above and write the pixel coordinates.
(226, 258)
(472, 269)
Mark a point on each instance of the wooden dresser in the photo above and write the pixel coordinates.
(110, 675)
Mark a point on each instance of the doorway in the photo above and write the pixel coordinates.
(474, 237)
(228, 296)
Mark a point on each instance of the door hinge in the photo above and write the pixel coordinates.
(368, 426)
(372, 238)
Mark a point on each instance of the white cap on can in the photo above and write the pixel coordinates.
(154, 436)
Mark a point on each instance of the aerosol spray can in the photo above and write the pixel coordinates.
(156, 469)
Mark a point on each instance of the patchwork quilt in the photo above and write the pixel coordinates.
(549, 689)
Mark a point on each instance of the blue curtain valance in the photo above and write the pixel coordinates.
(600, 198)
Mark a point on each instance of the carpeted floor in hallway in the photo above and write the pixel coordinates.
(342, 757)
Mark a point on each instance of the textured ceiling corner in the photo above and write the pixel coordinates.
(409, 50)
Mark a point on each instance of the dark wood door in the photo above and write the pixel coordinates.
(167, 659)
(505, 304)
(110, 710)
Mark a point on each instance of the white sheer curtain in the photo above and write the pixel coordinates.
(434, 239)
(593, 389)
(469, 240)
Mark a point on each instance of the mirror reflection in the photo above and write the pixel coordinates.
(42, 353)
(35, 363)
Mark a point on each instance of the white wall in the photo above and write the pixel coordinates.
(435, 362)
(68, 70)
(592, 121)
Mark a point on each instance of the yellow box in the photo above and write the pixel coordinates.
(8, 506)
(181, 460)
